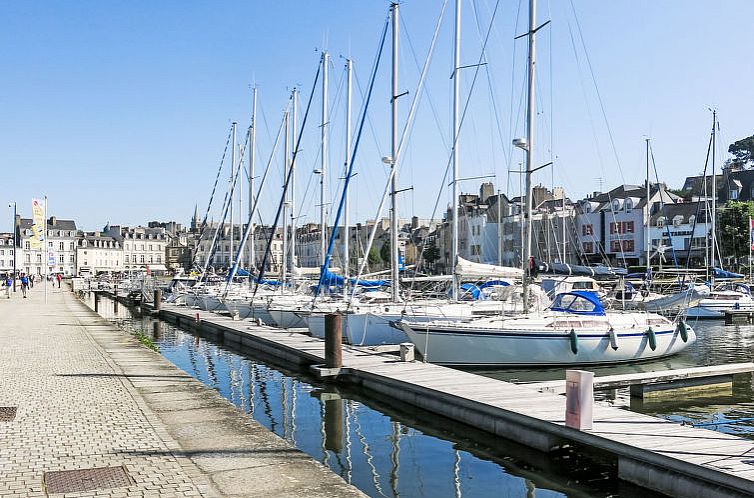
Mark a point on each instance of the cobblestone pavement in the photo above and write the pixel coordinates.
(90, 396)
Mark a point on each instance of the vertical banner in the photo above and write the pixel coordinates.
(751, 234)
(38, 224)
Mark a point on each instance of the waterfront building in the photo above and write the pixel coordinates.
(143, 247)
(98, 253)
(680, 233)
(7, 252)
(59, 253)
(610, 226)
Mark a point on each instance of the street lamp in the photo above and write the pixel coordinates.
(15, 243)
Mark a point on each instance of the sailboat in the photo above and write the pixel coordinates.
(575, 329)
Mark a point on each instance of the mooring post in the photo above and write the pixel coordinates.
(96, 301)
(579, 399)
(333, 341)
(157, 299)
(334, 423)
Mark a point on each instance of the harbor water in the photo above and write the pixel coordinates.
(389, 452)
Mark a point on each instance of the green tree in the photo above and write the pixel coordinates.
(385, 251)
(743, 149)
(431, 253)
(733, 228)
(374, 257)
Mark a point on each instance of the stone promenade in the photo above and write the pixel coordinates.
(90, 399)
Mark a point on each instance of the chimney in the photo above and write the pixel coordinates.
(53, 221)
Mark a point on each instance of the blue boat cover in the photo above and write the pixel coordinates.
(578, 302)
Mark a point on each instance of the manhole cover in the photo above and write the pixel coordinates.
(7, 413)
(74, 481)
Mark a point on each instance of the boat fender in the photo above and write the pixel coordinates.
(652, 339)
(683, 331)
(613, 339)
(574, 338)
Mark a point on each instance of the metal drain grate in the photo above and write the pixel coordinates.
(7, 413)
(74, 481)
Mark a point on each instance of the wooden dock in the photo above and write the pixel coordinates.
(643, 382)
(650, 452)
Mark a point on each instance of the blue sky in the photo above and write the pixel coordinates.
(119, 111)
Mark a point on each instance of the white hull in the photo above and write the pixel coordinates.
(210, 303)
(521, 348)
(287, 318)
(716, 308)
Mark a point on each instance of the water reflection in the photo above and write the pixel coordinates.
(383, 450)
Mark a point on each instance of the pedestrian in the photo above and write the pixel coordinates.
(8, 285)
(59, 277)
(31, 281)
(24, 284)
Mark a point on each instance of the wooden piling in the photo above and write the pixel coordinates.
(333, 341)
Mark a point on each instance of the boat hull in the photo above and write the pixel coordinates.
(520, 348)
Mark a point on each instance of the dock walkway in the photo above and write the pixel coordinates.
(651, 452)
(126, 422)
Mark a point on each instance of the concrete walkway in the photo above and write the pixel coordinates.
(89, 396)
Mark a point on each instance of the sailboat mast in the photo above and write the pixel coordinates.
(292, 243)
(252, 160)
(395, 284)
(232, 190)
(323, 158)
(649, 215)
(286, 200)
(456, 98)
(714, 191)
(529, 147)
(347, 165)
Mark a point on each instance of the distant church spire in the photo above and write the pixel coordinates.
(195, 219)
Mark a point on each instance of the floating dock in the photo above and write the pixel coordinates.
(650, 452)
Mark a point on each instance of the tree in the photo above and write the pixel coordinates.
(743, 150)
(733, 228)
(385, 251)
(374, 257)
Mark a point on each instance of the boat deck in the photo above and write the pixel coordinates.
(651, 452)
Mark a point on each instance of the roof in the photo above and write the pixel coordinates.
(684, 209)
(67, 225)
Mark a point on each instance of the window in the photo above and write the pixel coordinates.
(587, 230)
(62, 246)
(71, 259)
(72, 245)
(49, 244)
(142, 259)
(2, 253)
(588, 247)
(629, 205)
(27, 246)
(62, 259)
(660, 222)
(475, 250)
(677, 221)
(622, 245)
(733, 194)
(159, 258)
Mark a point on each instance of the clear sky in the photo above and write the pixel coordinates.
(119, 111)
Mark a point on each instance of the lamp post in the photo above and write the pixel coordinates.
(15, 243)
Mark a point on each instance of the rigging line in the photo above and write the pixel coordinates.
(287, 182)
(429, 96)
(662, 206)
(513, 85)
(402, 141)
(212, 196)
(349, 174)
(597, 91)
(490, 85)
(462, 120)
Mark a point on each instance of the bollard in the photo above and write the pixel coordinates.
(157, 299)
(196, 318)
(235, 315)
(579, 399)
(96, 302)
(407, 351)
(333, 341)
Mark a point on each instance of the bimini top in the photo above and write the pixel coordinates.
(578, 302)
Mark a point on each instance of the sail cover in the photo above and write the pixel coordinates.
(469, 269)
(578, 270)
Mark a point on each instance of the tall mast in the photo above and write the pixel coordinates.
(456, 98)
(286, 165)
(232, 190)
(292, 243)
(347, 164)
(394, 287)
(323, 158)
(252, 159)
(649, 215)
(529, 145)
(714, 190)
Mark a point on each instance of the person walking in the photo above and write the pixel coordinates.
(8, 285)
(31, 281)
(24, 284)
(59, 277)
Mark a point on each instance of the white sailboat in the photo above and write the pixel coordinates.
(576, 329)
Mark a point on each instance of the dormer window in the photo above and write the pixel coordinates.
(733, 194)
(628, 205)
(660, 222)
(692, 219)
(677, 220)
